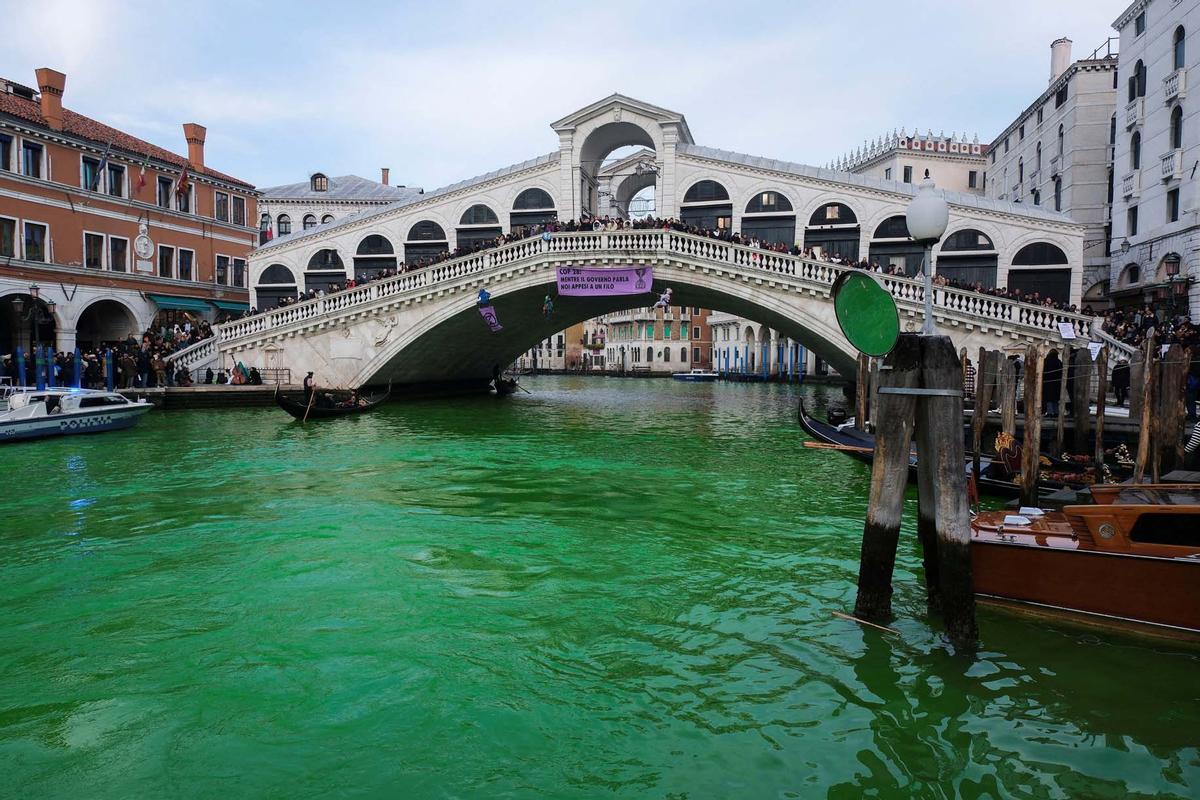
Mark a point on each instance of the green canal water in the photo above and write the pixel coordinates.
(606, 589)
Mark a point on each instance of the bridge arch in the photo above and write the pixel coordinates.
(629, 186)
(451, 342)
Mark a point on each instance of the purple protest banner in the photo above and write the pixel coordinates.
(489, 316)
(573, 282)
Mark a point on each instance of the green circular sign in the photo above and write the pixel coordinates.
(866, 312)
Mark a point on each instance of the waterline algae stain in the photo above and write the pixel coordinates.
(607, 589)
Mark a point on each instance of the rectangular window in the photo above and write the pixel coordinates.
(887, 174)
(1021, 134)
(908, 174)
(164, 192)
(221, 209)
(1131, 221)
(222, 276)
(1139, 24)
(6, 143)
(31, 159)
(166, 261)
(239, 210)
(116, 180)
(8, 238)
(89, 174)
(1173, 205)
(695, 354)
(239, 272)
(1006, 144)
(118, 254)
(1039, 117)
(1060, 96)
(666, 330)
(696, 332)
(183, 200)
(973, 179)
(93, 251)
(186, 257)
(35, 241)
(649, 331)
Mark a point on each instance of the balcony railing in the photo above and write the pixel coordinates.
(1175, 86)
(1054, 162)
(1172, 165)
(1131, 186)
(1134, 112)
(1033, 178)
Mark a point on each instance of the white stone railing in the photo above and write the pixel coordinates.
(1121, 349)
(1171, 165)
(629, 246)
(1134, 111)
(1131, 185)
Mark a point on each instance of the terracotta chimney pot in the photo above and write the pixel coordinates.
(195, 141)
(385, 176)
(51, 83)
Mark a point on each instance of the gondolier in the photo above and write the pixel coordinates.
(309, 385)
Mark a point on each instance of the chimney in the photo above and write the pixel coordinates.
(384, 170)
(195, 139)
(1060, 57)
(51, 83)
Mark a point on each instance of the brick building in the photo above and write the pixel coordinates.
(103, 234)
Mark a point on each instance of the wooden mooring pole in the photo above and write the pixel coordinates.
(861, 390)
(1146, 405)
(1008, 395)
(1171, 410)
(1060, 426)
(889, 477)
(1101, 403)
(1031, 450)
(984, 378)
(1081, 400)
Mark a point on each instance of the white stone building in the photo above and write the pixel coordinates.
(836, 211)
(1156, 156)
(956, 164)
(1057, 153)
(321, 200)
(745, 347)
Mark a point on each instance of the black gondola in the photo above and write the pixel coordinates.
(301, 410)
(989, 480)
(504, 386)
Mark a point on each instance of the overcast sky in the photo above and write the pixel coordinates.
(441, 91)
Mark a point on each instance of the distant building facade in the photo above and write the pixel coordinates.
(744, 347)
(1155, 242)
(955, 164)
(1058, 154)
(321, 199)
(102, 232)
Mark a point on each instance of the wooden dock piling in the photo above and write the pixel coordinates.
(1101, 402)
(1031, 450)
(1081, 400)
(1146, 407)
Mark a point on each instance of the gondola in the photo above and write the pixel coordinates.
(991, 469)
(300, 410)
(505, 386)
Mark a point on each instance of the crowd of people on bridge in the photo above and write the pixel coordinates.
(1133, 325)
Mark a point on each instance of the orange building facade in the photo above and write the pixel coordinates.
(102, 234)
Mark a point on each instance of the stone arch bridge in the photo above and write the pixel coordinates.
(424, 327)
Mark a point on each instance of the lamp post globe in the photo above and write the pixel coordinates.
(927, 218)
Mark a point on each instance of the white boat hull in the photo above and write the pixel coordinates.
(89, 421)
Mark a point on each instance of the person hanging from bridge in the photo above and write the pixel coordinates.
(664, 299)
(485, 297)
(547, 307)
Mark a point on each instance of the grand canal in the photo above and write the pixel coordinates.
(606, 589)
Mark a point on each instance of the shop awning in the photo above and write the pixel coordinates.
(226, 305)
(166, 302)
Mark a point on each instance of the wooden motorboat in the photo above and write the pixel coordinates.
(1131, 558)
(323, 407)
(995, 475)
(31, 413)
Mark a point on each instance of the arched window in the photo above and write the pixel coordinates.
(426, 231)
(1137, 81)
(1132, 274)
(1020, 170)
(1038, 254)
(375, 245)
(277, 274)
(326, 259)
(1177, 128)
(319, 182)
(310, 221)
(479, 214)
(683, 354)
(967, 239)
(666, 354)
(1058, 194)
(283, 224)
(531, 199)
(706, 192)
(833, 214)
(1135, 150)
(768, 203)
(892, 247)
(1179, 48)
(893, 228)
(968, 256)
(328, 218)
(1038, 157)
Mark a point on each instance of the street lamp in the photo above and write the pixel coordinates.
(927, 218)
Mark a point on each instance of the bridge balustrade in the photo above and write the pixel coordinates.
(636, 244)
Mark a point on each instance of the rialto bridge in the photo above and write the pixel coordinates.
(422, 325)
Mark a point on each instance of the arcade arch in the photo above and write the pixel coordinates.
(706, 205)
(533, 206)
(426, 239)
(104, 322)
(770, 217)
(968, 256)
(834, 229)
(1041, 268)
(275, 284)
(373, 255)
(478, 223)
(892, 246)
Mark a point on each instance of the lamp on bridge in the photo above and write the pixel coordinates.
(927, 218)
